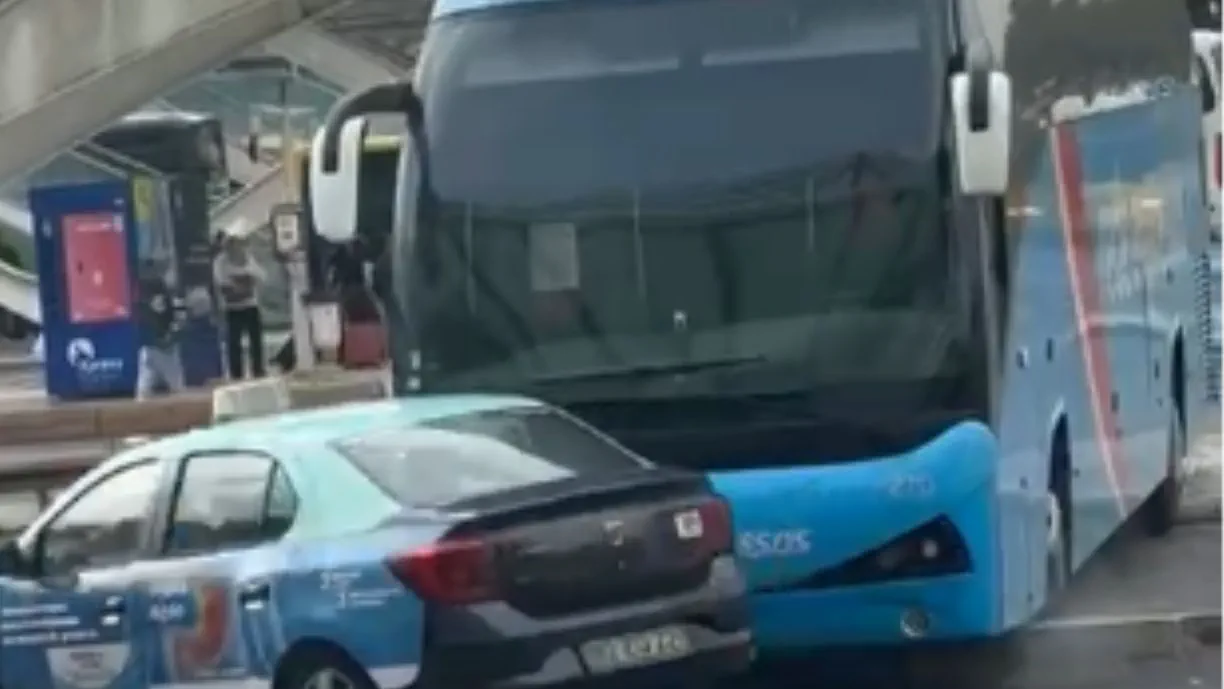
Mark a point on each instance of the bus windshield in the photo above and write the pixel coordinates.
(552, 101)
(624, 191)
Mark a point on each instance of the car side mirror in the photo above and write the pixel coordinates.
(66, 574)
(13, 562)
(982, 124)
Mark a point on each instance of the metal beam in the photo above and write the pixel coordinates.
(123, 53)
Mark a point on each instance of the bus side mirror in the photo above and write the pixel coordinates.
(982, 121)
(335, 155)
(333, 193)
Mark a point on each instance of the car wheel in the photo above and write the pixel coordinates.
(1058, 550)
(325, 670)
(1161, 511)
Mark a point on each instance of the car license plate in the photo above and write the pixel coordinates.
(636, 650)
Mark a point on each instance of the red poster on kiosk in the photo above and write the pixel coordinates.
(95, 264)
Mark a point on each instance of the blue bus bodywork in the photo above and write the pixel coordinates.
(1103, 353)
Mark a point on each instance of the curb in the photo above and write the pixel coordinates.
(25, 460)
(18, 364)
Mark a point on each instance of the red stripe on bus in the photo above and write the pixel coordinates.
(1086, 296)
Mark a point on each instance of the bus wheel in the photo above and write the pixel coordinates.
(1162, 508)
(1058, 550)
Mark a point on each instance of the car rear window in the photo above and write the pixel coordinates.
(469, 455)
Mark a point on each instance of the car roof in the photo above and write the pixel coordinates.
(314, 427)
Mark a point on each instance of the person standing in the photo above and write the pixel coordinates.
(238, 277)
(159, 366)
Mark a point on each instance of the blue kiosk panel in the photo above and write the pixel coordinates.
(86, 256)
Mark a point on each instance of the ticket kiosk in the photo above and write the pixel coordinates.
(86, 256)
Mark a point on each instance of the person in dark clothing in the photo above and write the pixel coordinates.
(349, 275)
(347, 268)
(286, 357)
(160, 366)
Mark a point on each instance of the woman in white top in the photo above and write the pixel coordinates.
(238, 277)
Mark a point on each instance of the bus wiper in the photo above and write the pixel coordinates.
(650, 370)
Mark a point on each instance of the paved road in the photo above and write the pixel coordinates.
(1135, 575)
(1203, 465)
(1202, 672)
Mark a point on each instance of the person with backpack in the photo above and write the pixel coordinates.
(159, 366)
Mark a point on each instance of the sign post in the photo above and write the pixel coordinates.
(291, 249)
(86, 251)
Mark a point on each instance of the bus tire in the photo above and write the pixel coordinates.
(1163, 507)
(1058, 546)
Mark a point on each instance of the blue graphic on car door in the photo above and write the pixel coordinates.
(230, 617)
(75, 637)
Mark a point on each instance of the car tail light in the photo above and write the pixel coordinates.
(716, 530)
(453, 572)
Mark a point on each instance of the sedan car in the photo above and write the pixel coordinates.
(450, 541)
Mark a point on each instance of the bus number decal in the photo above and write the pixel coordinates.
(756, 545)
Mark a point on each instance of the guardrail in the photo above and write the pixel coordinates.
(82, 433)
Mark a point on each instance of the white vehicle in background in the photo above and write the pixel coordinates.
(1207, 63)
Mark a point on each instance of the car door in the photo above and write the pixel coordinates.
(208, 590)
(65, 616)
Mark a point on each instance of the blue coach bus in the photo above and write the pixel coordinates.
(911, 279)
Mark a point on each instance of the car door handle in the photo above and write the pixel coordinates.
(254, 594)
(114, 605)
(113, 609)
